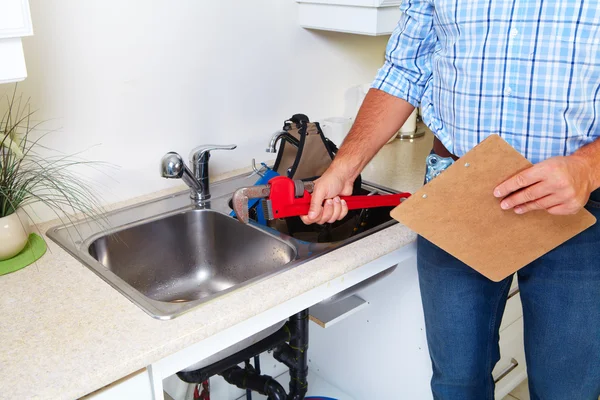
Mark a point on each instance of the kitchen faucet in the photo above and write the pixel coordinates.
(173, 167)
(283, 135)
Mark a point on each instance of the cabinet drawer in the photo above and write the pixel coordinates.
(513, 310)
(511, 369)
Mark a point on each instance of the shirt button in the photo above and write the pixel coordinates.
(508, 91)
(514, 33)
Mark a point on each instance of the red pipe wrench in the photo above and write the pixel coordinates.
(284, 197)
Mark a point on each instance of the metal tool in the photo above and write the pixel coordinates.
(265, 174)
(284, 197)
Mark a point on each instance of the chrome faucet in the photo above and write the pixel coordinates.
(283, 135)
(173, 167)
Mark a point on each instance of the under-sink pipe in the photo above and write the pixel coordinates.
(291, 348)
(295, 355)
(268, 343)
(249, 379)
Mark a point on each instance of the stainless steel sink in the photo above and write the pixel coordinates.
(168, 256)
(190, 255)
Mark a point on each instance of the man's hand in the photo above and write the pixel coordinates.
(379, 118)
(328, 188)
(559, 185)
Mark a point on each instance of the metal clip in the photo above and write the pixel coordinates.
(436, 165)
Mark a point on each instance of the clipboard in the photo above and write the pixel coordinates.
(458, 212)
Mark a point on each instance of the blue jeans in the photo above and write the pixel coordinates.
(560, 293)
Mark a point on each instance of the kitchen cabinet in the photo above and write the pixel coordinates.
(381, 352)
(135, 386)
(15, 23)
(15, 19)
(363, 17)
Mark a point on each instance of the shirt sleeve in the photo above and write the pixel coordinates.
(407, 66)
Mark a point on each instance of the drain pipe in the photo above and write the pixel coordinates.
(249, 379)
(295, 355)
(268, 343)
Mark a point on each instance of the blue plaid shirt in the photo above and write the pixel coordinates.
(528, 70)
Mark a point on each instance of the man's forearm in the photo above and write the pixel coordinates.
(379, 118)
(591, 154)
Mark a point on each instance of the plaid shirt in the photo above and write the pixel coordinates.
(528, 70)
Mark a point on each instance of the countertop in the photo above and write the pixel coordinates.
(65, 332)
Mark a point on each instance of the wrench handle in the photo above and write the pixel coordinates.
(385, 200)
(300, 206)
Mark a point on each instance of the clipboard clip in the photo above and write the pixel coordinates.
(436, 165)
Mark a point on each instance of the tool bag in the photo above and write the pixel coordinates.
(305, 153)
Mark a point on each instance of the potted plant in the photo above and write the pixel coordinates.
(30, 173)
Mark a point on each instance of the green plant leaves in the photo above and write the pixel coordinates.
(26, 177)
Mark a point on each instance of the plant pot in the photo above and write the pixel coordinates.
(14, 232)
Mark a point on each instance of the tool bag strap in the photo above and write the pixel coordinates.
(304, 151)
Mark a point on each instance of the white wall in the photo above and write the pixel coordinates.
(143, 77)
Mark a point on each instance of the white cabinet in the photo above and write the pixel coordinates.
(15, 23)
(365, 17)
(381, 352)
(135, 386)
(15, 19)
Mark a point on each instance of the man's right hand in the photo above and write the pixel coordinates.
(325, 204)
(379, 118)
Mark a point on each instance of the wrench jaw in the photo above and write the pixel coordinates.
(241, 196)
(309, 186)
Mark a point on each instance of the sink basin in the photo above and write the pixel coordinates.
(190, 255)
(167, 256)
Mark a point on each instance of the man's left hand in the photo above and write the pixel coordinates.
(559, 185)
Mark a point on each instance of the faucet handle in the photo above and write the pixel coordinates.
(202, 153)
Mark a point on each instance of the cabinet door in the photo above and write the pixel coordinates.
(12, 61)
(15, 19)
(135, 386)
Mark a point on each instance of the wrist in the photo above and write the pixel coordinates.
(344, 170)
(593, 173)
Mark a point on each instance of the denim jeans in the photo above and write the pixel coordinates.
(560, 293)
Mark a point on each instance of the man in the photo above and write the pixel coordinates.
(530, 72)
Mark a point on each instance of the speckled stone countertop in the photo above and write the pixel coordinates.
(65, 332)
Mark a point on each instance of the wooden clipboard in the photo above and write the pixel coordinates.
(458, 212)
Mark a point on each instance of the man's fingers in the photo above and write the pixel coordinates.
(306, 220)
(327, 212)
(316, 209)
(344, 209)
(544, 203)
(337, 210)
(563, 209)
(528, 195)
(521, 180)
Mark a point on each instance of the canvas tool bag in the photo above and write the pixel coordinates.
(305, 153)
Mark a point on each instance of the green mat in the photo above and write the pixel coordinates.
(36, 247)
